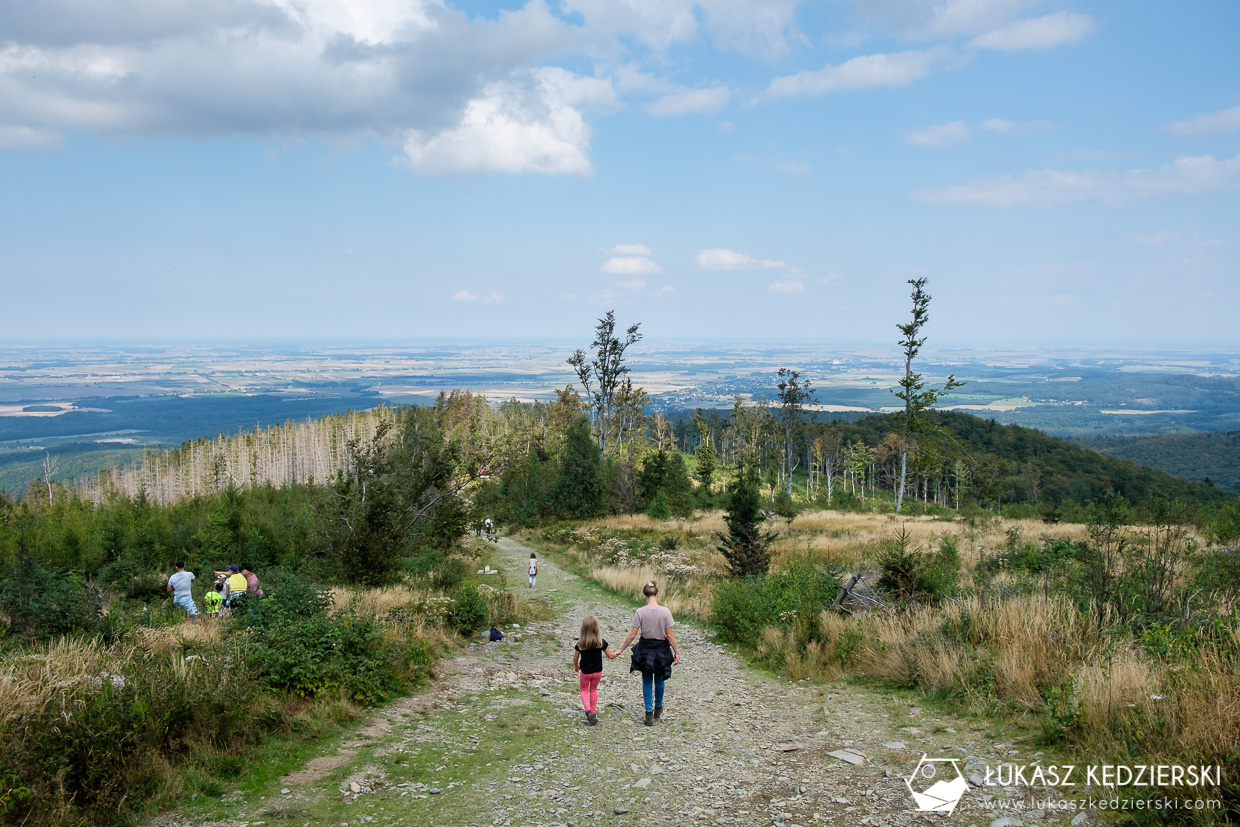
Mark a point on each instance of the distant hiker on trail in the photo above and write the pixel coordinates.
(533, 569)
(179, 587)
(655, 652)
(214, 599)
(588, 663)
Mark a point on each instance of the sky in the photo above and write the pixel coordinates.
(1062, 172)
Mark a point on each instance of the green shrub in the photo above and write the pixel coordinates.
(658, 508)
(442, 570)
(42, 604)
(742, 608)
(908, 574)
(469, 610)
(128, 724)
(129, 580)
(297, 646)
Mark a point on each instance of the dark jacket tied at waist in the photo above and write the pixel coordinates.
(652, 657)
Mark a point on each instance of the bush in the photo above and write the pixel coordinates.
(299, 647)
(135, 712)
(469, 610)
(742, 608)
(908, 574)
(129, 580)
(42, 604)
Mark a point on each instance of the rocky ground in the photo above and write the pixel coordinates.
(500, 739)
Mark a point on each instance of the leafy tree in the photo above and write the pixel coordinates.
(917, 398)
(579, 492)
(745, 546)
(606, 381)
(793, 396)
(396, 496)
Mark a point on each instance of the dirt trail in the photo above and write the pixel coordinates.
(500, 739)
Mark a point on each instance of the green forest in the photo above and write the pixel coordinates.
(1203, 457)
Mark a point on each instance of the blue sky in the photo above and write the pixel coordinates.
(1062, 172)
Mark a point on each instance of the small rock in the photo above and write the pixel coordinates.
(620, 810)
(355, 787)
(1006, 821)
(642, 783)
(896, 745)
(975, 780)
(789, 747)
(285, 791)
(434, 791)
(1079, 820)
(849, 756)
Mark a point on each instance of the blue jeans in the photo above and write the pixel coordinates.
(652, 685)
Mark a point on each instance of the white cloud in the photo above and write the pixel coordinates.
(667, 288)
(940, 136)
(524, 124)
(630, 266)
(1016, 128)
(777, 164)
(1050, 188)
(942, 19)
(635, 284)
(471, 298)
(864, 72)
(1037, 33)
(690, 101)
(629, 250)
(1225, 120)
(764, 28)
(790, 167)
(457, 89)
(722, 259)
(793, 285)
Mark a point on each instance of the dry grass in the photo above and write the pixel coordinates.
(165, 638)
(377, 602)
(680, 595)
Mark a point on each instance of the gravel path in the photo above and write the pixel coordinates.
(500, 739)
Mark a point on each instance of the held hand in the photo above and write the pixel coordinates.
(676, 658)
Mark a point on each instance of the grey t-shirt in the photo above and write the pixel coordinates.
(180, 583)
(653, 621)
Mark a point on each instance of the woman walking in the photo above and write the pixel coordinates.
(656, 650)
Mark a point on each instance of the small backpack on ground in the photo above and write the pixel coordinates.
(496, 634)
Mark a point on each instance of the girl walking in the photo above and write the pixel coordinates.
(588, 663)
(533, 568)
(656, 651)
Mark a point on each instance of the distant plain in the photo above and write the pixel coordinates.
(91, 405)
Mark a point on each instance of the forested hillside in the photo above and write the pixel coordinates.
(1200, 457)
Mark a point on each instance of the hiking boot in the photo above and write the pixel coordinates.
(658, 712)
(649, 719)
(591, 718)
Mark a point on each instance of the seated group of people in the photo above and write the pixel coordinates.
(226, 592)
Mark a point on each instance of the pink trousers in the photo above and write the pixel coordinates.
(589, 691)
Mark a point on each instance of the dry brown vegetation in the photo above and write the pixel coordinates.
(1076, 669)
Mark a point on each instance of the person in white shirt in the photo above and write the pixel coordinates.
(179, 587)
